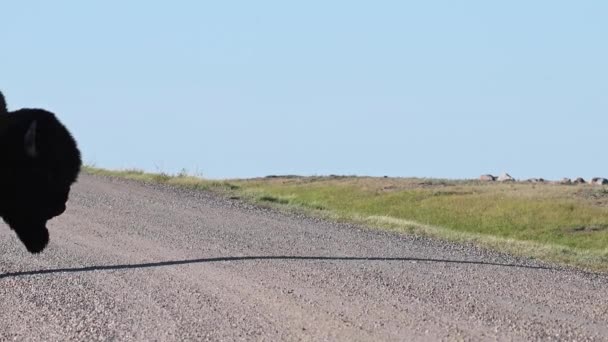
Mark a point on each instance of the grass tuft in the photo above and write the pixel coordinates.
(273, 199)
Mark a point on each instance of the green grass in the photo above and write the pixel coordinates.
(561, 223)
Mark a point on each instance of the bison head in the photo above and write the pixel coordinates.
(41, 161)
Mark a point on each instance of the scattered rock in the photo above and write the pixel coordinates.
(505, 177)
(598, 181)
(487, 178)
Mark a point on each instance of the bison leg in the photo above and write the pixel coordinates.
(34, 237)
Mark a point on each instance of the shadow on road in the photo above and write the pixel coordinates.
(246, 258)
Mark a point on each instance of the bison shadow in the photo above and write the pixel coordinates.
(249, 258)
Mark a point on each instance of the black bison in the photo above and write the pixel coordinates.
(39, 161)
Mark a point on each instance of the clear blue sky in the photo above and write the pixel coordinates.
(447, 89)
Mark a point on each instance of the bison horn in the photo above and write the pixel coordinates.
(2, 103)
(30, 140)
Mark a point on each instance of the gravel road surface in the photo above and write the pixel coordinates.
(130, 261)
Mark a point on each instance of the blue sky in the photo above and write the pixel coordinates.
(448, 89)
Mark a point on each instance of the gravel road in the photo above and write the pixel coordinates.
(129, 261)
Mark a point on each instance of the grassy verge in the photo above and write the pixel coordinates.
(561, 223)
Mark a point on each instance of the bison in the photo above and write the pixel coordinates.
(39, 161)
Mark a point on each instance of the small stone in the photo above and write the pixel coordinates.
(599, 181)
(505, 177)
(487, 178)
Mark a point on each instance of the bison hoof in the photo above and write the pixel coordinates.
(35, 242)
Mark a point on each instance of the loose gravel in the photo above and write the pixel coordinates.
(133, 261)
